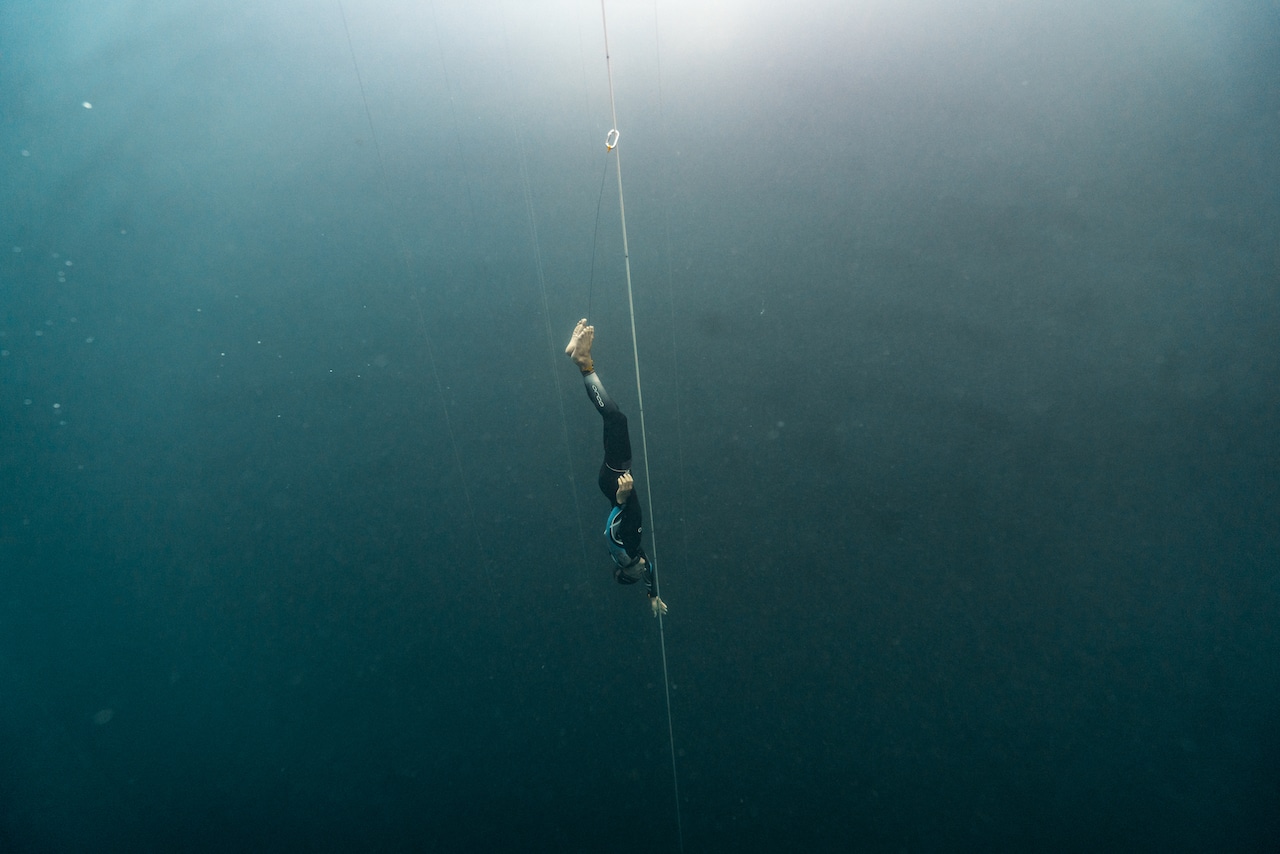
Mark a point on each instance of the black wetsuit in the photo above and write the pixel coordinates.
(625, 530)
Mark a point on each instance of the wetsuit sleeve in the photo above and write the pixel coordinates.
(650, 586)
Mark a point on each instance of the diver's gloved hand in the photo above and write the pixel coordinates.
(658, 606)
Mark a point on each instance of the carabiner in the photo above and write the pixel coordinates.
(611, 140)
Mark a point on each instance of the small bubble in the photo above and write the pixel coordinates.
(26, 402)
(89, 340)
(17, 249)
(57, 406)
(39, 332)
(122, 231)
(68, 263)
(87, 105)
(104, 716)
(4, 352)
(26, 153)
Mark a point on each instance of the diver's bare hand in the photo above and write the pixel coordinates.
(658, 606)
(626, 484)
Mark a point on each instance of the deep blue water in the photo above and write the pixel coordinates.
(960, 349)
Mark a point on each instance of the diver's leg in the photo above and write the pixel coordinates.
(617, 438)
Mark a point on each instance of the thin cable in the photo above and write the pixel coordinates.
(664, 181)
(551, 345)
(453, 116)
(422, 322)
(546, 309)
(533, 230)
(595, 233)
(644, 438)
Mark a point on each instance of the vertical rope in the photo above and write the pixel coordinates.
(644, 437)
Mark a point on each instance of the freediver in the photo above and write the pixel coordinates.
(623, 528)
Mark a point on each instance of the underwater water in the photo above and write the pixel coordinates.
(958, 331)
